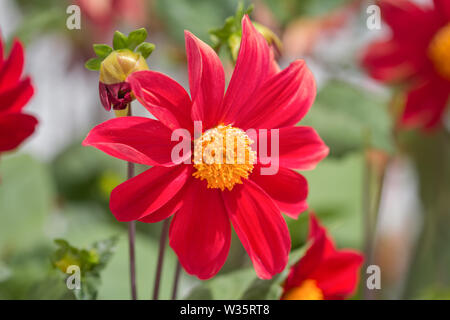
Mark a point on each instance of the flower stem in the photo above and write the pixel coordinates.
(162, 248)
(132, 235)
(176, 280)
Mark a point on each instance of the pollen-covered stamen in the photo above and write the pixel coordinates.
(223, 156)
(308, 290)
(439, 51)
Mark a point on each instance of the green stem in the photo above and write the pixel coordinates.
(176, 280)
(162, 248)
(132, 236)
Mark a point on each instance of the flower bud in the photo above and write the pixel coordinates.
(114, 70)
(119, 65)
(272, 39)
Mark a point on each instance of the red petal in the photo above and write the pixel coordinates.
(163, 97)
(12, 68)
(282, 101)
(409, 21)
(144, 194)
(313, 257)
(168, 209)
(252, 67)
(14, 99)
(260, 227)
(316, 231)
(443, 6)
(274, 68)
(425, 104)
(287, 188)
(14, 129)
(104, 96)
(299, 147)
(206, 81)
(392, 60)
(135, 139)
(200, 232)
(338, 274)
(336, 271)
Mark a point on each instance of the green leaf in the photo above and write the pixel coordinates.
(89, 288)
(120, 41)
(90, 261)
(136, 37)
(105, 250)
(230, 33)
(93, 64)
(87, 223)
(264, 289)
(296, 255)
(102, 50)
(145, 49)
(272, 289)
(200, 293)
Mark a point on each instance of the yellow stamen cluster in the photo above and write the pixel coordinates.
(223, 156)
(308, 290)
(439, 51)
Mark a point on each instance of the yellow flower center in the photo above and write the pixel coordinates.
(308, 290)
(223, 156)
(439, 51)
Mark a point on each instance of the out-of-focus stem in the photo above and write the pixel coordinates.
(162, 248)
(131, 245)
(176, 280)
(132, 234)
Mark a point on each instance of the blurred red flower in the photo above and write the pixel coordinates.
(418, 53)
(104, 15)
(15, 126)
(204, 196)
(323, 273)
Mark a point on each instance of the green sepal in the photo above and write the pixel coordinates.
(102, 50)
(134, 41)
(93, 64)
(136, 37)
(145, 49)
(120, 41)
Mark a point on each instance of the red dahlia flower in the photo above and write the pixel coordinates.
(205, 197)
(15, 92)
(323, 272)
(418, 52)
